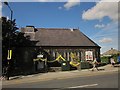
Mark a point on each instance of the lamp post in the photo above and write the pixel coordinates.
(11, 15)
(8, 70)
(6, 3)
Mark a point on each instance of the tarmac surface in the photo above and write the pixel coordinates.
(59, 75)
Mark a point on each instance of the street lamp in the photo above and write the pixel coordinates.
(9, 51)
(6, 3)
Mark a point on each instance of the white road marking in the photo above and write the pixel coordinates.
(84, 86)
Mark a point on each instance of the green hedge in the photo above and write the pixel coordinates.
(85, 65)
(106, 59)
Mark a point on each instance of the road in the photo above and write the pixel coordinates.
(98, 81)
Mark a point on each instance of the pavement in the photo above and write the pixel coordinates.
(59, 75)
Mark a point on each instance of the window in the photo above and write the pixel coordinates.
(89, 55)
(29, 29)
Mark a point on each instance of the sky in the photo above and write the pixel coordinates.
(98, 20)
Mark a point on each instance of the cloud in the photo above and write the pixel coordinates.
(8, 18)
(107, 37)
(42, 0)
(60, 8)
(105, 40)
(71, 3)
(50, 0)
(110, 0)
(101, 10)
(99, 26)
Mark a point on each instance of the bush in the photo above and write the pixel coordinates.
(106, 59)
(86, 65)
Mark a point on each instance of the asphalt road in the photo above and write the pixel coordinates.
(98, 81)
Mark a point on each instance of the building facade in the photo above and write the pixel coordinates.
(54, 42)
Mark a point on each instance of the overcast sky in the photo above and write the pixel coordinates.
(98, 20)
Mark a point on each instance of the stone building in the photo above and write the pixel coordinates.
(63, 41)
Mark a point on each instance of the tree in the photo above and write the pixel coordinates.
(11, 39)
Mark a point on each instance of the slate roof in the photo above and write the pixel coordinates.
(62, 37)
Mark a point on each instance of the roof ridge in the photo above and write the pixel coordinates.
(58, 28)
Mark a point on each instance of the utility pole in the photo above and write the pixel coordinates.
(8, 68)
(11, 15)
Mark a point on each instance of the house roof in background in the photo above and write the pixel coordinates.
(111, 52)
(62, 37)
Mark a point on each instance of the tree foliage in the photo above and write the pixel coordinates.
(12, 38)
